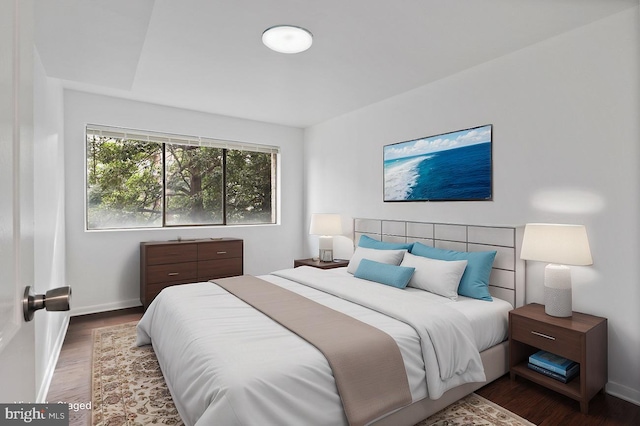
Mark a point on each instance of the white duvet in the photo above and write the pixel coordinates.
(228, 364)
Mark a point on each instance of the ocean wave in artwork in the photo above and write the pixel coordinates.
(401, 176)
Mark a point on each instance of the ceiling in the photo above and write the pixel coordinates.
(207, 55)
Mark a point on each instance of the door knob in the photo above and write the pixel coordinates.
(56, 299)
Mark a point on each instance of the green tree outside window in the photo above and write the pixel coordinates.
(139, 184)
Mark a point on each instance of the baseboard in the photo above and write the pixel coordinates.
(53, 361)
(623, 392)
(132, 303)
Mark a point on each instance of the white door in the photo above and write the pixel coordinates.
(17, 344)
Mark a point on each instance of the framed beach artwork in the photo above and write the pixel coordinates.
(455, 166)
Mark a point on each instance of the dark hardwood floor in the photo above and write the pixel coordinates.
(548, 408)
(72, 384)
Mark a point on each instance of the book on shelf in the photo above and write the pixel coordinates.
(560, 377)
(552, 362)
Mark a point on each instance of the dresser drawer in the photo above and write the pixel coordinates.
(219, 250)
(558, 340)
(171, 253)
(221, 268)
(172, 273)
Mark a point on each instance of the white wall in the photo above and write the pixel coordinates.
(565, 149)
(49, 238)
(103, 266)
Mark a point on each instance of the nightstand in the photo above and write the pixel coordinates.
(318, 264)
(581, 338)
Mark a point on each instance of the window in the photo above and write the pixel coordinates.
(148, 180)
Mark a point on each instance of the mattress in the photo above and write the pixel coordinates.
(220, 370)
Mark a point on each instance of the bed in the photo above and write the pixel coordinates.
(220, 370)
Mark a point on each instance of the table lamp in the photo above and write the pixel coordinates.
(326, 226)
(559, 245)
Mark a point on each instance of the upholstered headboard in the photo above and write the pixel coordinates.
(507, 280)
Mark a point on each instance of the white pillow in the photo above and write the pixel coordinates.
(441, 277)
(392, 257)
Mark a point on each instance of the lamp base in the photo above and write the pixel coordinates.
(326, 255)
(325, 252)
(557, 291)
(557, 302)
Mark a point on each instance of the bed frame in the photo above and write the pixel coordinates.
(507, 282)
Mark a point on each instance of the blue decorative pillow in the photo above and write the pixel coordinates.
(475, 280)
(372, 243)
(383, 273)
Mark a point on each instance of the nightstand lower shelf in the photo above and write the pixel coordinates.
(571, 389)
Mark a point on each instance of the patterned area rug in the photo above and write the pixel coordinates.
(128, 389)
(477, 411)
(127, 384)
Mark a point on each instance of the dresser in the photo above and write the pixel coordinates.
(166, 263)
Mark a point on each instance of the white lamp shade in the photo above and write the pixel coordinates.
(556, 243)
(325, 224)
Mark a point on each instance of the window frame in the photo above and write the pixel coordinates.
(179, 139)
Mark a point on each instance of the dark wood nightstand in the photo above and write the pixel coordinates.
(318, 264)
(581, 338)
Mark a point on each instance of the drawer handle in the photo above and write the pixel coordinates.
(173, 274)
(222, 252)
(546, 336)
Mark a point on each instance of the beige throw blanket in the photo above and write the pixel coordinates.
(366, 362)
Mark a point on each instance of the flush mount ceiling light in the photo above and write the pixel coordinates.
(287, 39)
